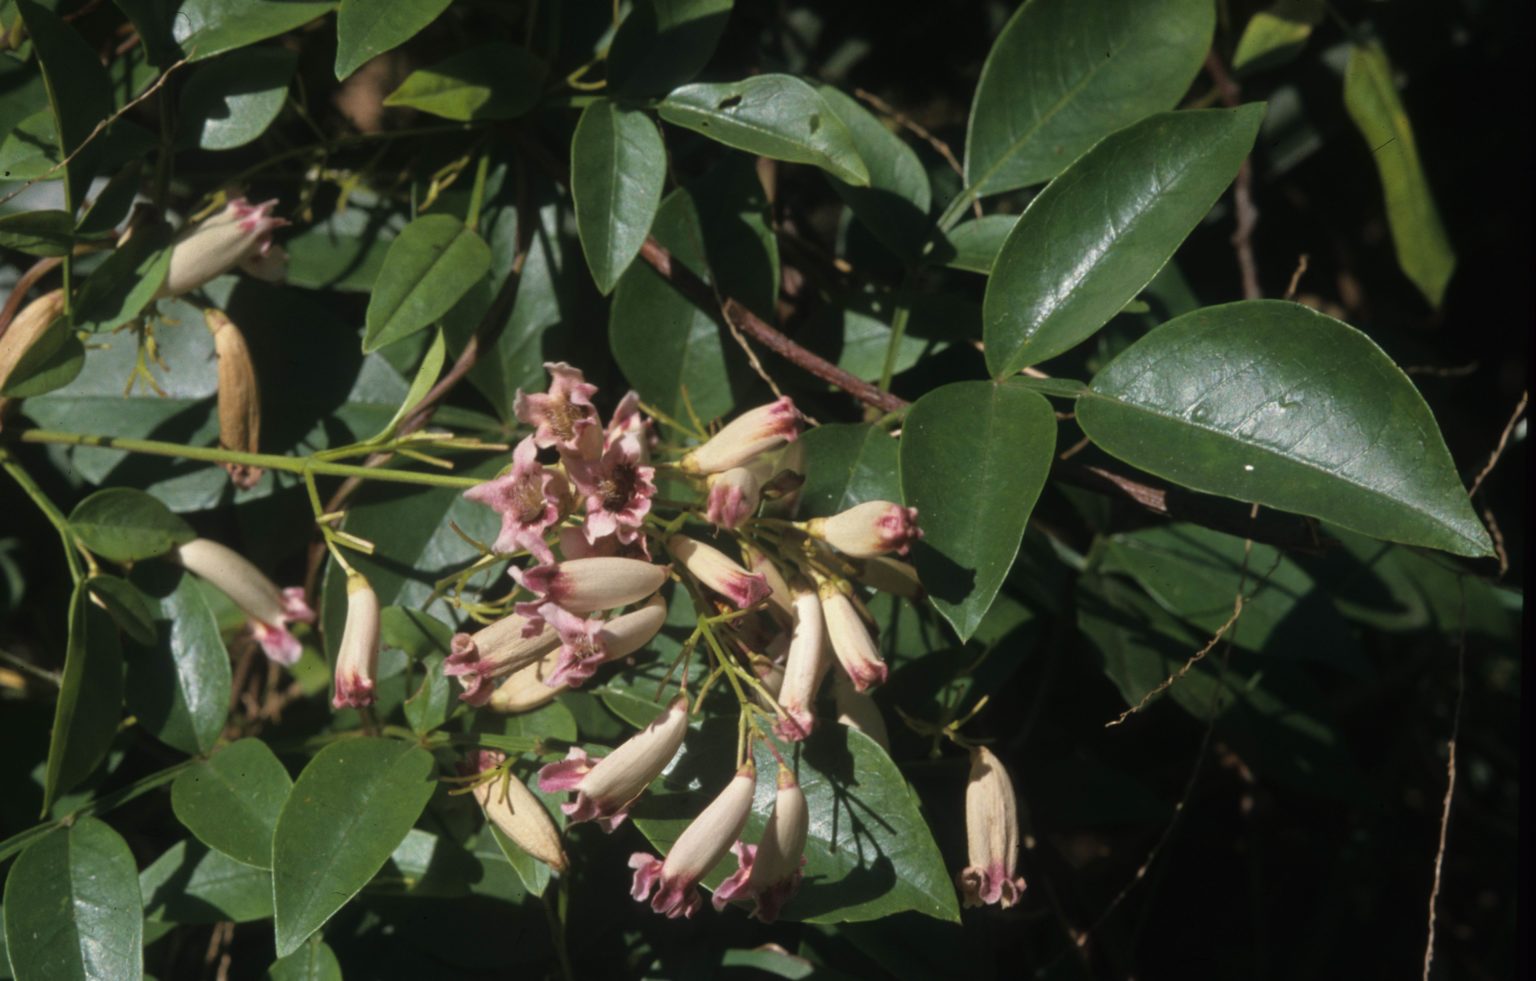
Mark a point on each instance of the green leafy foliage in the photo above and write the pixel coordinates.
(618, 167)
(90, 698)
(428, 268)
(365, 30)
(178, 687)
(1276, 34)
(231, 800)
(204, 28)
(123, 525)
(846, 465)
(79, 93)
(39, 233)
(231, 101)
(490, 81)
(664, 43)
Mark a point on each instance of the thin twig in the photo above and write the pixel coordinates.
(1301, 270)
(1498, 451)
(1196, 658)
(1450, 779)
(1498, 541)
(920, 131)
(1242, 189)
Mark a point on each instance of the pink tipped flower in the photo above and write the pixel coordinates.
(240, 235)
(605, 788)
(533, 685)
(581, 646)
(586, 586)
(851, 642)
(856, 710)
(769, 872)
(270, 609)
(744, 437)
(868, 529)
(781, 604)
(618, 488)
(711, 567)
(891, 576)
(493, 651)
(529, 498)
(562, 415)
(991, 833)
(733, 496)
(804, 668)
(357, 659)
(627, 420)
(697, 850)
(511, 807)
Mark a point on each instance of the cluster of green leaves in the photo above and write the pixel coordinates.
(512, 211)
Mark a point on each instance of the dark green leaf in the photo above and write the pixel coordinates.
(31, 150)
(90, 698)
(1423, 250)
(231, 800)
(39, 233)
(491, 81)
(179, 688)
(1274, 403)
(974, 456)
(191, 884)
(664, 43)
(1063, 74)
(129, 608)
(618, 167)
(112, 203)
(348, 810)
(1089, 242)
(895, 204)
(429, 267)
(205, 28)
(312, 962)
(433, 701)
(365, 30)
(125, 525)
(417, 633)
(847, 464)
(79, 92)
(230, 102)
(72, 907)
(121, 287)
(973, 246)
(776, 116)
(53, 361)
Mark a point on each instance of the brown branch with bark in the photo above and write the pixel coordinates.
(1242, 189)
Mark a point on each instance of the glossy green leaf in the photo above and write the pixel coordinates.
(191, 883)
(129, 608)
(776, 116)
(79, 92)
(124, 525)
(73, 909)
(90, 701)
(1276, 34)
(348, 810)
(426, 376)
(39, 233)
(1062, 75)
(664, 43)
(895, 204)
(1272, 402)
(54, 360)
(1089, 242)
(312, 962)
(847, 464)
(179, 687)
(231, 800)
(365, 29)
(490, 81)
(665, 344)
(1423, 248)
(205, 28)
(433, 701)
(230, 102)
(974, 456)
(125, 283)
(973, 246)
(429, 267)
(618, 167)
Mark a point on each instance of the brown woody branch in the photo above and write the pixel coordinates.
(1242, 189)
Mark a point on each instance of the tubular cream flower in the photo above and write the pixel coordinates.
(891, 576)
(357, 659)
(240, 235)
(856, 710)
(239, 397)
(270, 609)
(804, 668)
(991, 834)
(769, 872)
(733, 496)
(744, 437)
(618, 488)
(605, 788)
(868, 529)
(715, 570)
(851, 641)
(697, 850)
(511, 806)
(781, 604)
(533, 685)
(586, 586)
(493, 651)
(530, 498)
(562, 415)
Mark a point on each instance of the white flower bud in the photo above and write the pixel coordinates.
(804, 668)
(357, 658)
(868, 529)
(240, 235)
(605, 788)
(716, 571)
(851, 640)
(744, 437)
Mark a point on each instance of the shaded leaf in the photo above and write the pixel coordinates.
(428, 268)
(618, 167)
(54, 360)
(129, 608)
(124, 284)
(895, 204)
(313, 962)
(179, 687)
(1276, 34)
(664, 43)
(847, 464)
(189, 883)
(491, 81)
(125, 525)
(90, 699)
(204, 28)
(231, 800)
(973, 246)
(366, 30)
(79, 93)
(230, 102)
(39, 233)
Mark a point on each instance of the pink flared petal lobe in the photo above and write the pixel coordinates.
(565, 774)
(798, 725)
(867, 674)
(771, 901)
(677, 898)
(277, 643)
(295, 610)
(735, 885)
(647, 872)
(352, 691)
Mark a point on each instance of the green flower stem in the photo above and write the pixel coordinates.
(270, 461)
(53, 514)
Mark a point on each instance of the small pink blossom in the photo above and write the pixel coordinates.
(270, 609)
(992, 835)
(618, 488)
(529, 498)
(627, 420)
(581, 646)
(562, 415)
(357, 657)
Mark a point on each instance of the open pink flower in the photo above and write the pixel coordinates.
(769, 872)
(529, 499)
(697, 850)
(581, 646)
(618, 488)
(562, 415)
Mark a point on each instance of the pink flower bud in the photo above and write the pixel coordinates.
(627, 420)
(493, 651)
(357, 659)
(605, 788)
(891, 576)
(512, 808)
(270, 609)
(716, 571)
(749, 434)
(563, 415)
(991, 834)
(780, 602)
(733, 496)
(769, 872)
(857, 710)
(804, 668)
(240, 235)
(851, 641)
(587, 585)
(697, 850)
(868, 529)
(530, 499)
